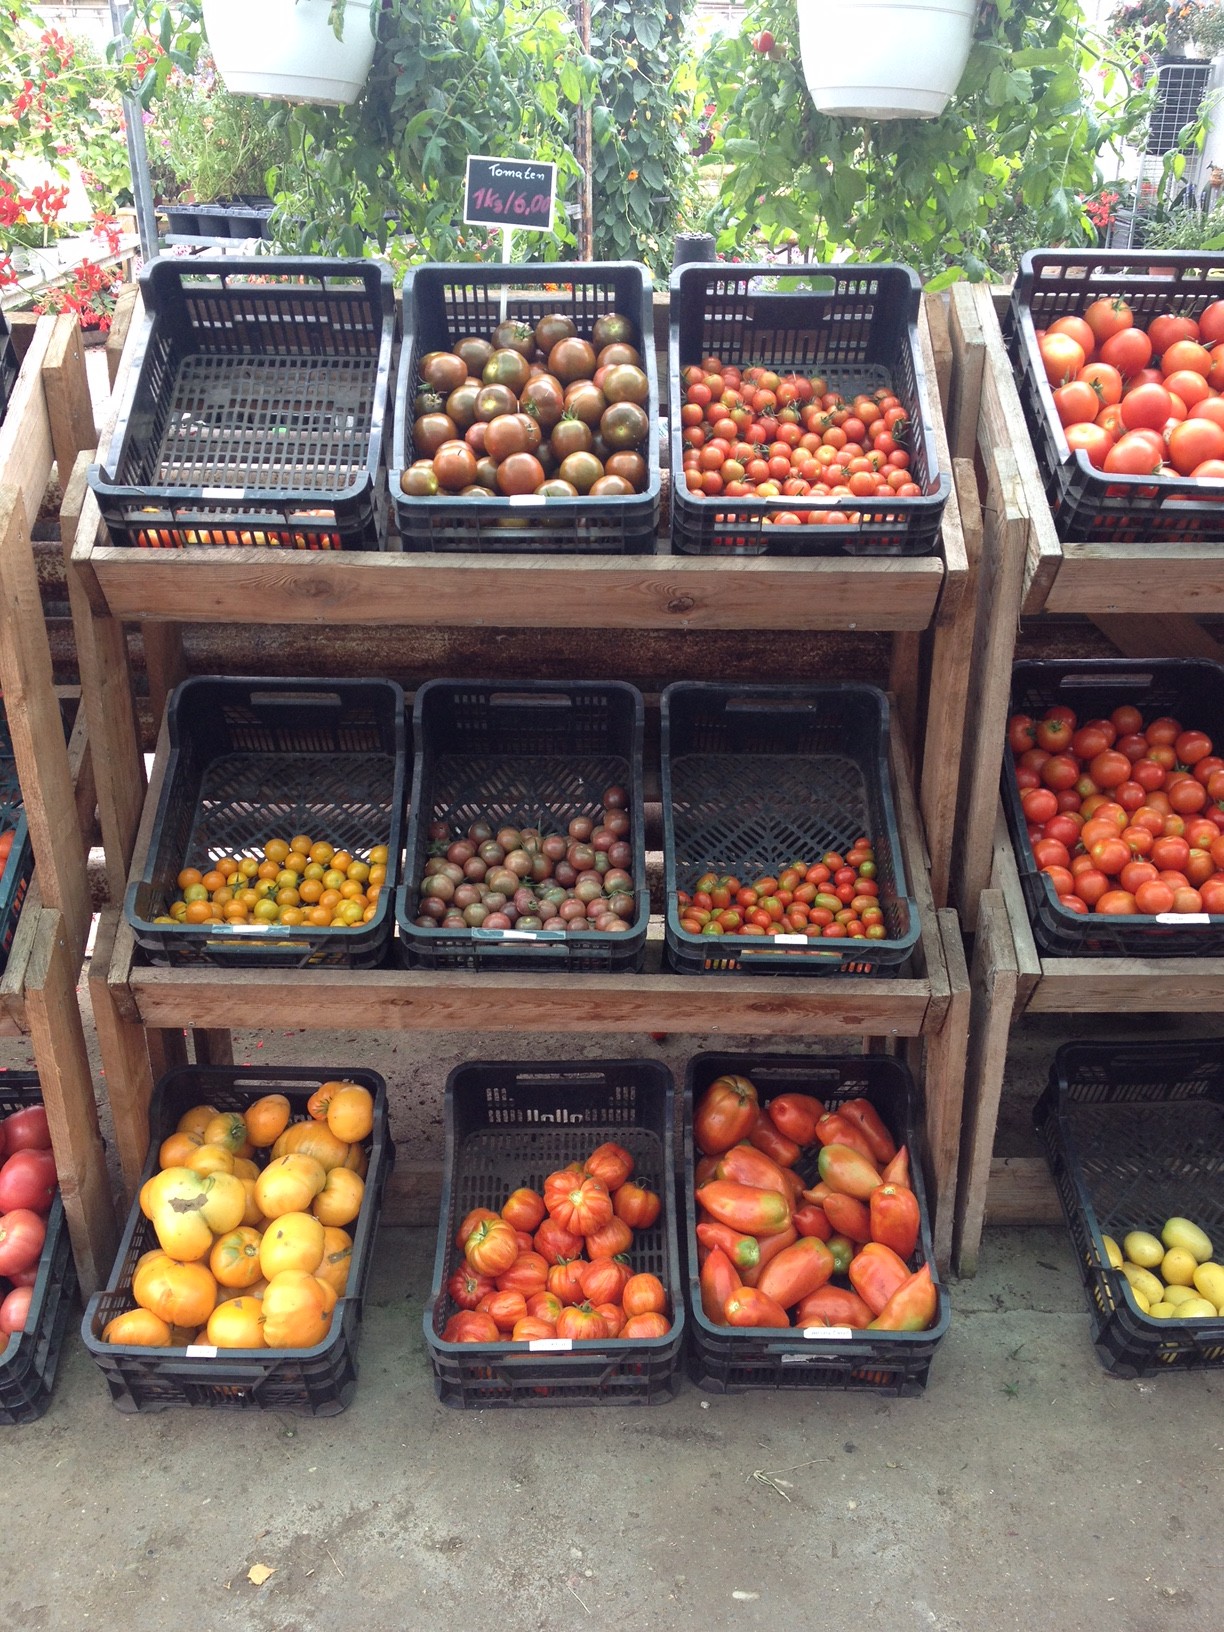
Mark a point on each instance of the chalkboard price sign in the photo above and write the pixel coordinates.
(517, 194)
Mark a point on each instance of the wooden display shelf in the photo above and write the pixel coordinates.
(928, 1008)
(50, 417)
(1171, 577)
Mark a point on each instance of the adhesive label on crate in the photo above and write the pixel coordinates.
(224, 492)
(550, 1345)
(791, 940)
(836, 1332)
(1182, 918)
(201, 1351)
(534, 500)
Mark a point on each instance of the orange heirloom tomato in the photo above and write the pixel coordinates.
(466, 1288)
(528, 1274)
(524, 1209)
(895, 1218)
(530, 1328)
(610, 1239)
(644, 1294)
(554, 1243)
(876, 1272)
(869, 1122)
(507, 1308)
(795, 1116)
(350, 1114)
(725, 1114)
(745, 1208)
(546, 1306)
(651, 1324)
(267, 1119)
(581, 1323)
(491, 1247)
(797, 1271)
(638, 1206)
(470, 1221)
(911, 1307)
(578, 1204)
(611, 1163)
(604, 1279)
(234, 1260)
(469, 1327)
(833, 1306)
(750, 1307)
(613, 1317)
(848, 1172)
(565, 1280)
(719, 1279)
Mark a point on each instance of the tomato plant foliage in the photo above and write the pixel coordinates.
(1025, 130)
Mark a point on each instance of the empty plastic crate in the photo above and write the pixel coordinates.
(755, 776)
(319, 1381)
(254, 410)
(510, 1124)
(442, 305)
(1090, 505)
(1191, 690)
(732, 1360)
(253, 760)
(522, 753)
(857, 327)
(1134, 1135)
(29, 1359)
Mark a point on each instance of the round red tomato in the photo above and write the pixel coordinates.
(1109, 768)
(1129, 351)
(1054, 735)
(1146, 407)
(27, 1179)
(27, 1130)
(1152, 897)
(1061, 357)
(1021, 733)
(1126, 720)
(1132, 455)
(1165, 330)
(1115, 903)
(1093, 441)
(1060, 771)
(1186, 354)
(22, 1233)
(1076, 403)
(1194, 441)
(1107, 316)
(1170, 851)
(1038, 804)
(1079, 331)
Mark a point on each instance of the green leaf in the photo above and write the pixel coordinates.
(648, 29)
(571, 83)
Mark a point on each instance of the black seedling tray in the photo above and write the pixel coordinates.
(317, 1382)
(756, 775)
(255, 406)
(731, 1360)
(1134, 1134)
(857, 326)
(251, 760)
(29, 1359)
(442, 304)
(1190, 689)
(536, 752)
(1089, 505)
(510, 1124)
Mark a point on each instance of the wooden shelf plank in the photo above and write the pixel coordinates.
(1140, 578)
(530, 592)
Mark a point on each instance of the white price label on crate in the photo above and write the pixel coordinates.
(516, 934)
(201, 1351)
(834, 1332)
(224, 492)
(791, 940)
(534, 501)
(550, 1345)
(1182, 918)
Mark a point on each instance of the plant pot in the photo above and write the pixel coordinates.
(917, 54)
(285, 49)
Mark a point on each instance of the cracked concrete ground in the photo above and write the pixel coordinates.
(1027, 1488)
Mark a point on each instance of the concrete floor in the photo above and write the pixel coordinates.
(1026, 1488)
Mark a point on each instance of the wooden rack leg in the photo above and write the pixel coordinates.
(125, 1057)
(69, 405)
(212, 1046)
(58, 1038)
(993, 997)
(946, 1051)
(165, 664)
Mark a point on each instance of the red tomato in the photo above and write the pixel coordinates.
(1167, 329)
(1038, 804)
(1170, 851)
(1110, 768)
(1079, 331)
(1050, 853)
(15, 1309)
(1129, 351)
(1152, 897)
(1191, 388)
(1060, 771)
(1054, 735)
(1193, 442)
(1106, 383)
(27, 1130)
(1115, 903)
(1076, 403)
(1093, 441)
(22, 1233)
(1091, 884)
(1186, 354)
(1107, 316)
(725, 1113)
(1061, 357)
(1132, 456)
(1146, 407)
(27, 1179)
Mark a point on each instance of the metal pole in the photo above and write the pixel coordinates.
(138, 155)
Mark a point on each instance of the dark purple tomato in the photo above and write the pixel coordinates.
(474, 351)
(583, 470)
(611, 487)
(486, 472)
(553, 327)
(613, 327)
(495, 399)
(624, 382)
(629, 465)
(507, 367)
(505, 435)
(543, 398)
(430, 431)
(555, 488)
(515, 335)
(613, 798)
(455, 465)
(461, 404)
(624, 426)
(586, 402)
(571, 436)
(619, 352)
(427, 401)
(419, 482)
(443, 370)
(475, 438)
(572, 359)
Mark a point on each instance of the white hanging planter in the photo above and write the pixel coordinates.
(286, 50)
(884, 59)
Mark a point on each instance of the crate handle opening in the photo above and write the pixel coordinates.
(290, 699)
(530, 699)
(771, 705)
(1140, 680)
(791, 282)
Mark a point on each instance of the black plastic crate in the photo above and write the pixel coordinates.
(317, 1382)
(255, 406)
(732, 1360)
(251, 760)
(513, 1123)
(29, 1359)
(855, 325)
(536, 752)
(1190, 689)
(9, 366)
(1090, 505)
(442, 304)
(1134, 1134)
(755, 775)
(15, 880)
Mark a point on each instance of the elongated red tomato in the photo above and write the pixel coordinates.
(795, 1272)
(744, 1251)
(813, 1220)
(876, 1272)
(895, 1218)
(745, 1208)
(871, 1124)
(833, 1306)
(835, 1129)
(771, 1246)
(795, 1116)
(897, 1171)
(725, 1114)
(849, 1216)
(765, 1136)
(848, 1171)
(747, 1165)
(719, 1279)
(750, 1307)
(912, 1306)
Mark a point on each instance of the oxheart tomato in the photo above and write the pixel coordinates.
(27, 1130)
(725, 1114)
(895, 1218)
(27, 1179)
(466, 1287)
(469, 1327)
(795, 1116)
(797, 1271)
(719, 1279)
(876, 1272)
(22, 1233)
(833, 1306)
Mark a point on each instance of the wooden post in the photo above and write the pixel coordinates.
(946, 1052)
(36, 727)
(125, 1057)
(69, 405)
(54, 1018)
(993, 996)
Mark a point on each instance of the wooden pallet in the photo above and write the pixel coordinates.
(50, 418)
